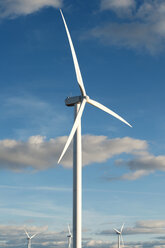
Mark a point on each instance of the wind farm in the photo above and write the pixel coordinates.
(79, 161)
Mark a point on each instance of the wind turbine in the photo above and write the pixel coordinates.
(29, 238)
(119, 233)
(69, 236)
(79, 103)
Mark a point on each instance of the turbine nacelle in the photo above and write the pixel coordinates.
(71, 101)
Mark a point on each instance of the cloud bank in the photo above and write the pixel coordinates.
(40, 154)
(142, 164)
(135, 244)
(14, 8)
(13, 236)
(141, 227)
(139, 26)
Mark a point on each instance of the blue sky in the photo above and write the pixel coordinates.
(121, 53)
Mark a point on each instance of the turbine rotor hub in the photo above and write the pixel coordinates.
(86, 97)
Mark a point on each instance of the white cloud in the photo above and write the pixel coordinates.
(135, 175)
(98, 243)
(150, 224)
(36, 139)
(35, 153)
(142, 164)
(99, 148)
(118, 5)
(142, 27)
(130, 35)
(13, 236)
(40, 154)
(13, 8)
(141, 227)
(134, 244)
(148, 162)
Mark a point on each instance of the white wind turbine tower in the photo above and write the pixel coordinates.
(79, 103)
(69, 236)
(120, 237)
(29, 238)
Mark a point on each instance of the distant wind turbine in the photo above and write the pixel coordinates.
(29, 238)
(69, 236)
(79, 103)
(120, 237)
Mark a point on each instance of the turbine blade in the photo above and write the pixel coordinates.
(102, 107)
(27, 234)
(116, 231)
(69, 229)
(75, 61)
(75, 125)
(69, 242)
(122, 228)
(33, 236)
(122, 240)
